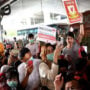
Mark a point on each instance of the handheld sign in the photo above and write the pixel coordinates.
(47, 34)
(72, 11)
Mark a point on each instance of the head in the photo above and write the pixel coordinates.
(12, 78)
(25, 54)
(15, 39)
(14, 53)
(50, 48)
(63, 68)
(70, 38)
(4, 68)
(50, 52)
(63, 65)
(31, 38)
(13, 57)
(72, 85)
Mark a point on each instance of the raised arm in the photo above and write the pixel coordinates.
(81, 32)
(44, 69)
(24, 81)
(58, 83)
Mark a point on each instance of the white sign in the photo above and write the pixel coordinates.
(47, 34)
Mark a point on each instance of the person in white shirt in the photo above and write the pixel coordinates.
(47, 71)
(32, 46)
(28, 74)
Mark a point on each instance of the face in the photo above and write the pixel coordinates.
(27, 56)
(50, 56)
(31, 40)
(69, 40)
(12, 82)
(72, 85)
(13, 79)
(49, 50)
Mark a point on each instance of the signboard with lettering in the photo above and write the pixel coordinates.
(47, 34)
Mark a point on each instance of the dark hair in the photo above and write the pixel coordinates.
(71, 34)
(53, 46)
(23, 51)
(48, 44)
(30, 35)
(11, 73)
(17, 63)
(63, 63)
(14, 38)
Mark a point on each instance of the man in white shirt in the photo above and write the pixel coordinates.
(32, 46)
(28, 75)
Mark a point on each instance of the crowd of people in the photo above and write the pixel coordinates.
(37, 66)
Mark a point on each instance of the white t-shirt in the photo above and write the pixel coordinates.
(34, 78)
(34, 49)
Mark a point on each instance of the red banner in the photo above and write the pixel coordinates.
(72, 11)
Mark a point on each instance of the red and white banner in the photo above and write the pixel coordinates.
(47, 34)
(72, 11)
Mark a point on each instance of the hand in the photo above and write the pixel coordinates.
(58, 83)
(57, 52)
(29, 69)
(58, 49)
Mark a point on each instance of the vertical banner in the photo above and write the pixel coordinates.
(47, 34)
(72, 11)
